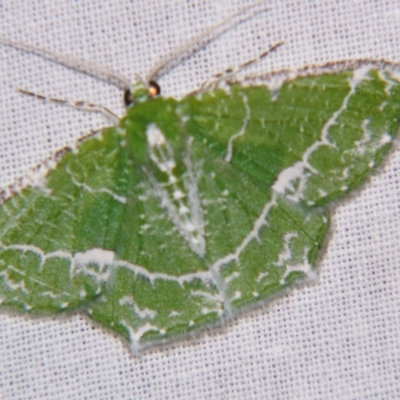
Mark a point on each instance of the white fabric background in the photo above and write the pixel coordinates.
(336, 339)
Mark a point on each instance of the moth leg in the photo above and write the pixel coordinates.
(229, 73)
(76, 104)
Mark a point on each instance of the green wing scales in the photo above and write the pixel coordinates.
(189, 211)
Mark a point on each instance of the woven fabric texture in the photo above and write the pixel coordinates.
(335, 339)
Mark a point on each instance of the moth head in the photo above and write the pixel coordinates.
(141, 92)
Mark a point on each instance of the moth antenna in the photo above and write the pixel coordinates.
(231, 72)
(196, 43)
(77, 105)
(165, 65)
(85, 67)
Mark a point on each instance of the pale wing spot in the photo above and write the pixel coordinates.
(261, 276)
(232, 277)
(237, 295)
(362, 143)
(174, 313)
(155, 137)
(136, 335)
(207, 295)
(304, 267)
(385, 139)
(286, 253)
(178, 194)
(183, 210)
(144, 228)
(96, 256)
(145, 313)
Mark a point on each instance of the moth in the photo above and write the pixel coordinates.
(185, 212)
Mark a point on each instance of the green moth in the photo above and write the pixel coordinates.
(187, 212)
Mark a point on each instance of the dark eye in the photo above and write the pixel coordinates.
(154, 88)
(128, 98)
